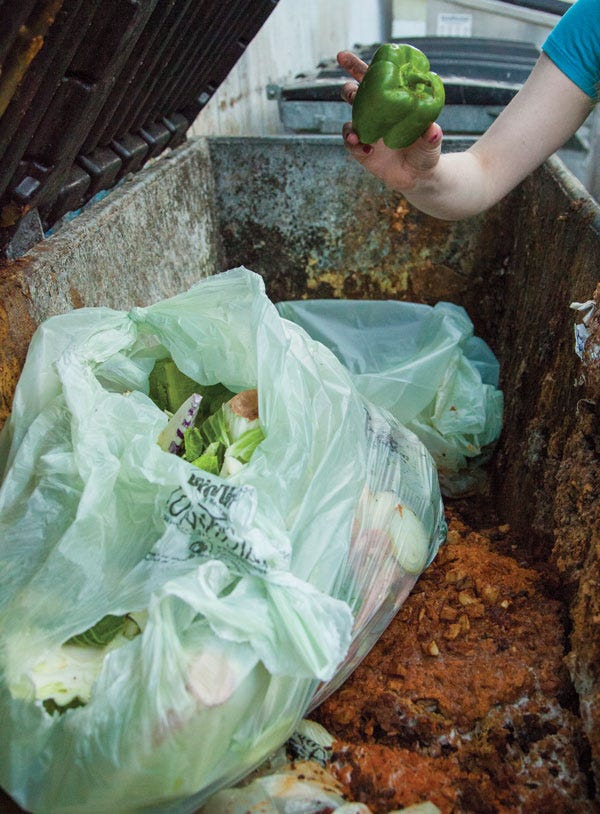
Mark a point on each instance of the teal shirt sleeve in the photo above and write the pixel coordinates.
(574, 45)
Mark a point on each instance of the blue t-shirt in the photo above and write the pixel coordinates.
(574, 45)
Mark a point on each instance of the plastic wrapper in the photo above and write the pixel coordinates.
(303, 786)
(426, 367)
(297, 778)
(254, 594)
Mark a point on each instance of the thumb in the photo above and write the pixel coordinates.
(425, 152)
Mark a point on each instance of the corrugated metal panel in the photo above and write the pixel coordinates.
(92, 89)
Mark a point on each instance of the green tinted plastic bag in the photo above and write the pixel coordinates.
(259, 593)
(426, 367)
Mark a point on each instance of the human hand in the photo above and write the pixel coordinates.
(398, 169)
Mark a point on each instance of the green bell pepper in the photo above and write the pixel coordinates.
(398, 98)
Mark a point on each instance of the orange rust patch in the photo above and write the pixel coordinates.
(16, 330)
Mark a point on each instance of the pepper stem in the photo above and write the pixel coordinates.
(413, 78)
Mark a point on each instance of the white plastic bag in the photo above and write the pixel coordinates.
(255, 590)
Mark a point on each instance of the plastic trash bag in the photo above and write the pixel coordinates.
(424, 365)
(253, 594)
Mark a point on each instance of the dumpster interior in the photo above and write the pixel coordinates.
(469, 633)
(483, 695)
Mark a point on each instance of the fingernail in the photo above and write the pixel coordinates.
(367, 149)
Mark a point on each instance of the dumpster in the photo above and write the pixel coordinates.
(483, 693)
(258, 202)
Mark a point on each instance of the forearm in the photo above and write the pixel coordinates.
(456, 188)
(541, 117)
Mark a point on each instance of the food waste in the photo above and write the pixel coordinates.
(215, 430)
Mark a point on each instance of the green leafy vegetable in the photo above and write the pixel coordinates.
(214, 429)
(243, 447)
(213, 397)
(224, 431)
(209, 459)
(105, 630)
(193, 443)
(52, 707)
(169, 388)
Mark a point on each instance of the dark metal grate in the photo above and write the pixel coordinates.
(90, 90)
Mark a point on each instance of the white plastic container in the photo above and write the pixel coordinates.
(489, 18)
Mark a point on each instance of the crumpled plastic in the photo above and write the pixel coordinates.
(301, 787)
(262, 591)
(582, 333)
(426, 367)
(297, 778)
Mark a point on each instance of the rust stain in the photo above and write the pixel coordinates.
(16, 330)
(29, 42)
(76, 298)
(397, 253)
(12, 214)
